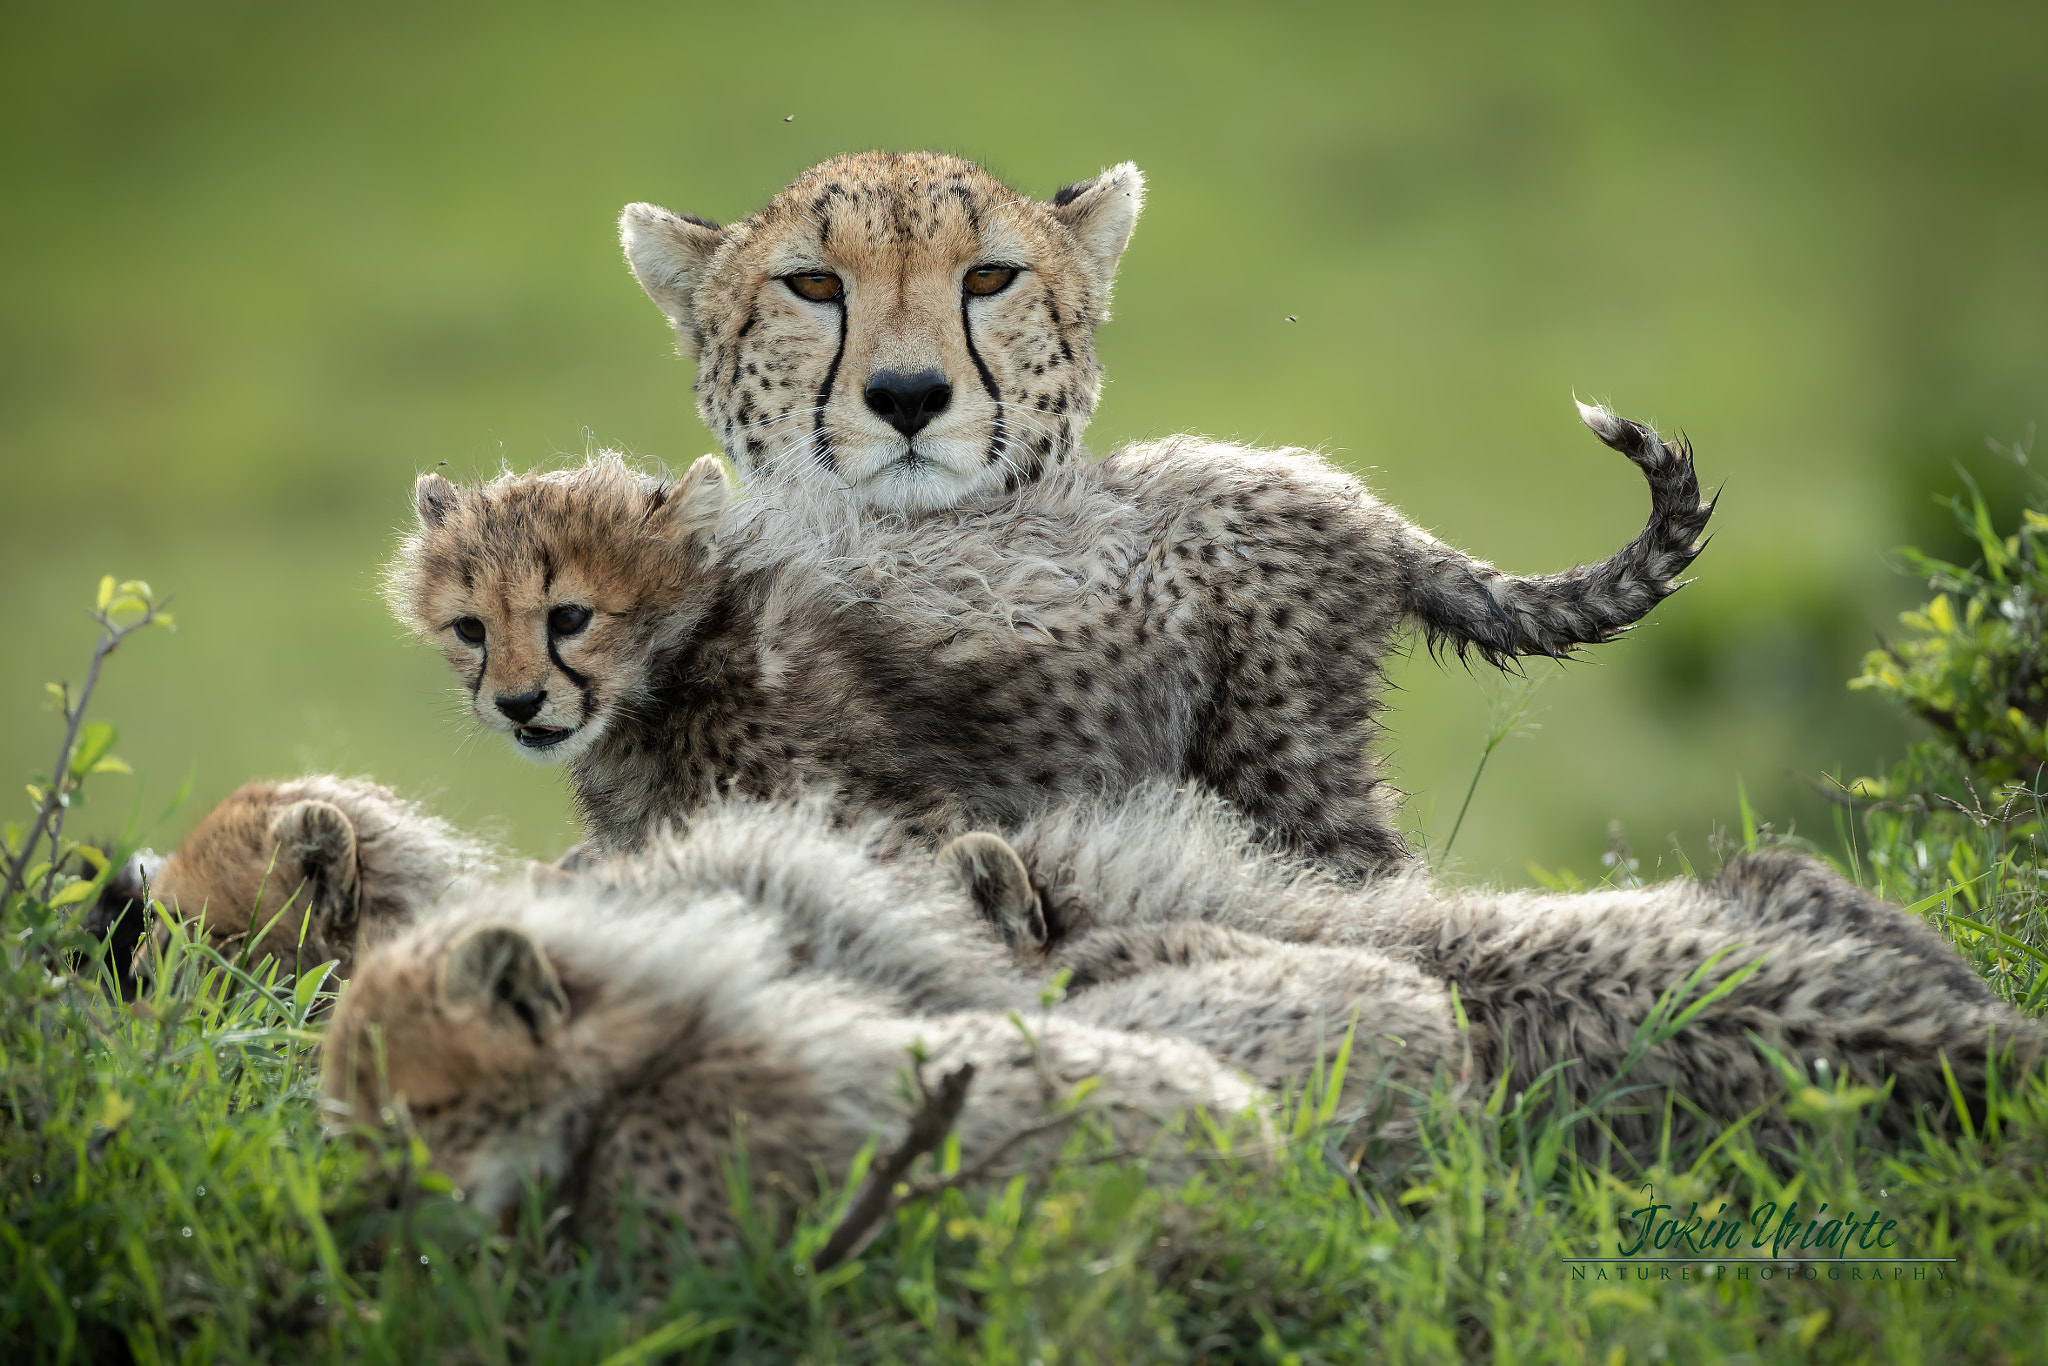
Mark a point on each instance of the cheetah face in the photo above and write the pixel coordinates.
(905, 330)
(538, 655)
(548, 594)
(467, 1037)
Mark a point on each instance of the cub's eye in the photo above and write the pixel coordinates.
(989, 279)
(817, 284)
(567, 621)
(470, 630)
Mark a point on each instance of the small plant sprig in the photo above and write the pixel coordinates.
(119, 610)
(1974, 667)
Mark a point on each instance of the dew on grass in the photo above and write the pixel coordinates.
(423, 1259)
(187, 1230)
(202, 1190)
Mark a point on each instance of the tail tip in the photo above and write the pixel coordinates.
(1602, 420)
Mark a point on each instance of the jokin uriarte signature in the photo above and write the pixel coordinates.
(1850, 1245)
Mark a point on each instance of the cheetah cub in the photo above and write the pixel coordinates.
(597, 1043)
(1168, 901)
(318, 868)
(1181, 610)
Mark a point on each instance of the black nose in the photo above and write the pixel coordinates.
(907, 402)
(522, 708)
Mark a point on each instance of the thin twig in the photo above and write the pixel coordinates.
(965, 1175)
(50, 817)
(928, 1128)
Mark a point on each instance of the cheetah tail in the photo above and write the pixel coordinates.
(1467, 604)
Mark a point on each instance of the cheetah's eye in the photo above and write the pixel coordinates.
(821, 285)
(567, 621)
(989, 279)
(470, 630)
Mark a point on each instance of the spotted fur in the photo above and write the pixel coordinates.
(1837, 975)
(783, 379)
(1178, 610)
(329, 865)
(612, 1034)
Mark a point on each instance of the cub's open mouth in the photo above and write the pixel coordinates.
(540, 737)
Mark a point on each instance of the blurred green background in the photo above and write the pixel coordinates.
(263, 263)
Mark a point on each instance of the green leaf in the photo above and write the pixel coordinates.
(77, 890)
(686, 1331)
(106, 592)
(111, 765)
(114, 1110)
(1748, 815)
(93, 743)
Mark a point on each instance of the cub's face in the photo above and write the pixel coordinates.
(547, 593)
(465, 1034)
(903, 328)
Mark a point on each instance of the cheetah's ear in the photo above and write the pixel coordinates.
(432, 496)
(668, 253)
(989, 872)
(499, 973)
(690, 507)
(320, 838)
(1101, 214)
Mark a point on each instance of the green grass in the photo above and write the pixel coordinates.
(169, 1188)
(171, 1194)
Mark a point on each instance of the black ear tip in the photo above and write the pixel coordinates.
(1067, 194)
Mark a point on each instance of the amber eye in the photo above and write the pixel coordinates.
(567, 621)
(817, 284)
(989, 279)
(470, 630)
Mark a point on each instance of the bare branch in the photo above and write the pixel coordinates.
(928, 1128)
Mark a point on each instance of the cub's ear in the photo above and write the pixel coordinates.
(1101, 214)
(432, 497)
(322, 841)
(690, 507)
(498, 972)
(668, 253)
(994, 878)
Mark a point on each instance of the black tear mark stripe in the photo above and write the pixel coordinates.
(582, 683)
(818, 431)
(483, 667)
(1000, 435)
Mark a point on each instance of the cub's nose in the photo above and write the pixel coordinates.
(908, 401)
(523, 708)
